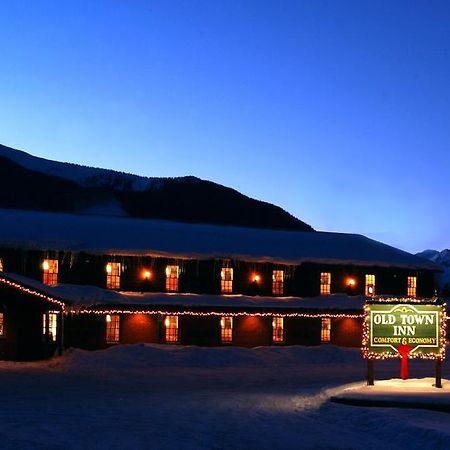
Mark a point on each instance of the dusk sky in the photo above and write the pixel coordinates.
(337, 111)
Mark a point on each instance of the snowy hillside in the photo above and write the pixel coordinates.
(82, 175)
(443, 259)
(44, 185)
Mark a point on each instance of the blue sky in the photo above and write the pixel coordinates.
(338, 111)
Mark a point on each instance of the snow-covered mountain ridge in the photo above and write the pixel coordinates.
(443, 259)
(82, 175)
(31, 183)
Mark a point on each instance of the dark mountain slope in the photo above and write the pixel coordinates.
(27, 182)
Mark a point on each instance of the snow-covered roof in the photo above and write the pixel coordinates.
(126, 236)
(81, 297)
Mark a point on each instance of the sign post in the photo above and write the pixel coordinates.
(395, 329)
(438, 382)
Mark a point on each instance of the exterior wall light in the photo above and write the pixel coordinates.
(146, 274)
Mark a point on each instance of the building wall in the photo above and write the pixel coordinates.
(139, 328)
(195, 330)
(203, 276)
(302, 331)
(346, 332)
(86, 331)
(23, 337)
(252, 331)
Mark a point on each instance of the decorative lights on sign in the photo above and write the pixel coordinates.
(412, 330)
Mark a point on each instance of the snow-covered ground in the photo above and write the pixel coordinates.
(413, 392)
(173, 397)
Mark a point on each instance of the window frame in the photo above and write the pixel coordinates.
(278, 336)
(113, 272)
(226, 332)
(112, 329)
(277, 282)
(172, 278)
(411, 289)
(226, 280)
(171, 329)
(50, 326)
(370, 282)
(50, 272)
(325, 330)
(325, 283)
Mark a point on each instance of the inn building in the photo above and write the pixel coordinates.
(92, 282)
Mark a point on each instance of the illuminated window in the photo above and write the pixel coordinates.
(50, 325)
(226, 280)
(412, 287)
(172, 274)
(370, 285)
(325, 283)
(278, 282)
(2, 329)
(226, 327)
(278, 329)
(171, 324)
(325, 335)
(1, 264)
(112, 328)
(113, 275)
(50, 267)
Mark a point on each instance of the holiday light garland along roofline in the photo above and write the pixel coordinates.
(218, 313)
(402, 300)
(33, 292)
(367, 354)
(65, 308)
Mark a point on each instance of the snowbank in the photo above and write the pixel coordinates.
(411, 393)
(146, 356)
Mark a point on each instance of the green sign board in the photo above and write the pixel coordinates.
(391, 329)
